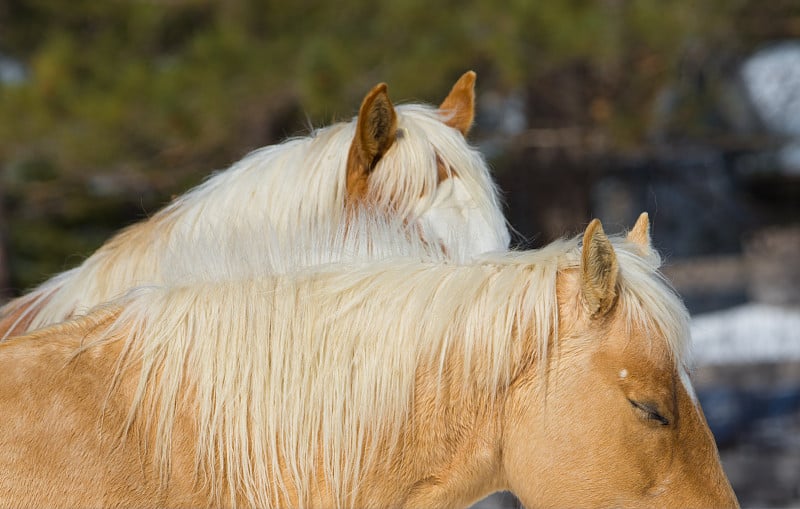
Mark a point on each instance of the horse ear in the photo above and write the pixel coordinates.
(459, 105)
(640, 234)
(599, 269)
(376, 130)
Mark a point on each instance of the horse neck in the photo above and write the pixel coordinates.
(456, 427)
(256, 193)
(443, 418)
(276, 189)
(287, 186)
(448, 453)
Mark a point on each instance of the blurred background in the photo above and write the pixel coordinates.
(688, 110)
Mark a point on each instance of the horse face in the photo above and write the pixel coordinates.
(615, 423)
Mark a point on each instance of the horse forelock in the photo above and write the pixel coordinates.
(650, 301)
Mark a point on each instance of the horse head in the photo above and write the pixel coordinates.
(455, 204)
(612, 420)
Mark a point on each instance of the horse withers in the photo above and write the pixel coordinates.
(557, 374)
(411, 162)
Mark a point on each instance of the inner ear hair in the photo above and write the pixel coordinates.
(376, 131)
(599, 270)
(379, 130)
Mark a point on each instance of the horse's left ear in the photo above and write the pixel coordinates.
(599, 269)
(640, 234)
(376, 130)
(459, 105)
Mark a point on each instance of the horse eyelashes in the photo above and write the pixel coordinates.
(650, 411)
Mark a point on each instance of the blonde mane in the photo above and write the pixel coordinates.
(299, 185)
(305, 372)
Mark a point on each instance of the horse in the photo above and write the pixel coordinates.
(558, 374)
(411, 162)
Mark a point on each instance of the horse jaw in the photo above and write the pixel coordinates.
(456, 220)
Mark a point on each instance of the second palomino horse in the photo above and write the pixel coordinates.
(557, 374)
(411, 162)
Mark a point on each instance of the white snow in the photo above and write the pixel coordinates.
(748, 333)
(772, 78)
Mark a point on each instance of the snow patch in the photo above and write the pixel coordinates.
(749, 333)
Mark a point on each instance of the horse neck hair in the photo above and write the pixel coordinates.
(276, 191)
(336, 350)
(346, 342)
(255, 251)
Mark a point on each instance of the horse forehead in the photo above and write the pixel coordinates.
(641, 357)
(636, 348)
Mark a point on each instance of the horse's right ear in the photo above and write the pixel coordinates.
(640, 235)
(459, 105)
(376, 130)
(599, 269)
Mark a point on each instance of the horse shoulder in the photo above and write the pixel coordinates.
(54, 445)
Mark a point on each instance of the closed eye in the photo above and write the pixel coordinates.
(650, 412)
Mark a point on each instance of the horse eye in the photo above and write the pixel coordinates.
(650, 411)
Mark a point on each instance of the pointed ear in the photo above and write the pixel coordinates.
(599, 271)
(376, 130)
(459, 105)
(640, 234)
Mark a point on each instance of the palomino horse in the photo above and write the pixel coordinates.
(558, 374)
(411, 162)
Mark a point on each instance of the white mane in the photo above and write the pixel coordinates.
(282, 365)
(279, 190)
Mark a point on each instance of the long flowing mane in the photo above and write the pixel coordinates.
(301, 374)
(277, 191)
